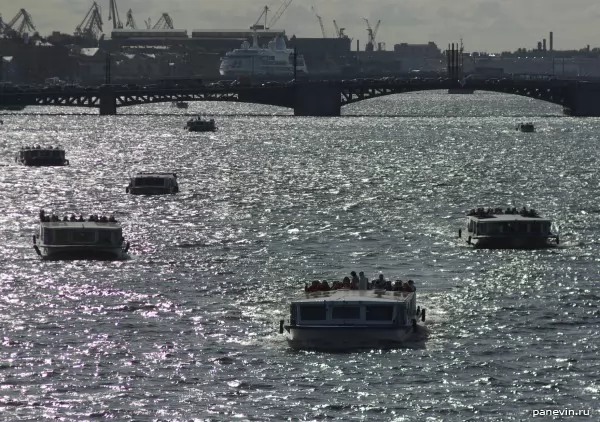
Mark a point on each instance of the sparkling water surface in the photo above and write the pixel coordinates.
(187, 329)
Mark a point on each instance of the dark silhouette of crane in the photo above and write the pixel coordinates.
(269, 24)
(130, 21)
(372, 34)
(113, 14)
(90, 27)
(16, 28)
(165, 22)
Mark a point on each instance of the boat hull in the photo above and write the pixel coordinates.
(44, 162)
(348, 337)
(517, 242)
(150, 190)
(100, 253)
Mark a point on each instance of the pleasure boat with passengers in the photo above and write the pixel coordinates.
(42, 156)
(252, 60)
(153, 183)
(508, 229)
(345, 319)
(198, 124)
(180, 104)
(98, 237)
(526, 127)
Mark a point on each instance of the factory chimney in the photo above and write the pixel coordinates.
(551, 41)
(544, 44)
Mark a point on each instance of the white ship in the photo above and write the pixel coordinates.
(252, 60)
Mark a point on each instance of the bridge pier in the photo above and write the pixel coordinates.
(585, 101)
(317, 99)
(108, 101)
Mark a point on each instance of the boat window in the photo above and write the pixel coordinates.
(313, 313)
(346, 312)
(59, 237)
(83, 236)
(105, 236)
(379, 313)
(481, 228)
(149, 181)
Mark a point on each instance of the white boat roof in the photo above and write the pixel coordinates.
(506, 217)
(155, 174)
(80, 225)
(355, 296)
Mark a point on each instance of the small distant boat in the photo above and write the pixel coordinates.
(508, 229)
(198, 124)
(352, 319)
(153, 183)
(12, 107)
(42, 156)
(180, 104)
(98, 237)
(526, 127)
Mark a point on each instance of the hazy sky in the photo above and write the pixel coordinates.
(484, 25)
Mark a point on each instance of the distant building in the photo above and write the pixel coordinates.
(429, 50)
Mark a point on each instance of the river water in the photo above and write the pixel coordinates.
(187, 329)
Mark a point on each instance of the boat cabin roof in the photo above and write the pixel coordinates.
(39, 148)
(66, 225)
(144, 174)
(354, 297)
(505, 217)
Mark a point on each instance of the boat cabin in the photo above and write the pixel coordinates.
(199, 125)
(153, 183)
(508, 225)
(88, 233)
(42, 156)
(526, 127)
(354, 308)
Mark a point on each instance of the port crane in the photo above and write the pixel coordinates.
(372, 34)
(320, 21)
(19, 28)
(130, 21)
(165, 22)
(113, 14)
(339, 32)
(91, 26)
(278, 13)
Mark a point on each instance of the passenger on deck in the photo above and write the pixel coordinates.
(353, 285)
(380, 282)
(354, 277)
(112, 219)
(411, 285)
(346, 283)
(73, 218)
(325, 286)
(398, 286)
(313, 287)
(336, 285)
(363, 282)
(81, 219)
(65, 218)
(42, 215)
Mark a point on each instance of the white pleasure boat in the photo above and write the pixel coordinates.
(508, 229)
(252, 60)
(347, 319)
(153, 183)
(78, 238)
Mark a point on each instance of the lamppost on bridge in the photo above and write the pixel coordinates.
(107, 76)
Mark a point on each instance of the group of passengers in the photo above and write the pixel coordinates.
(482, 212)
(92, 218)
(39, 147)
(360, 282)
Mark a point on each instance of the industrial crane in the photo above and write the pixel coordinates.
(339, 32)
(130, 21)
(320, 21)
(372, 34)
(113, 14)
(282, 8)
(91, 26)
(19, 28)
(165, 22)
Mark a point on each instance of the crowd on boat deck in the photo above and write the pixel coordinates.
(39, 147)
(72, 218)
(483, 212)
(360, 282)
